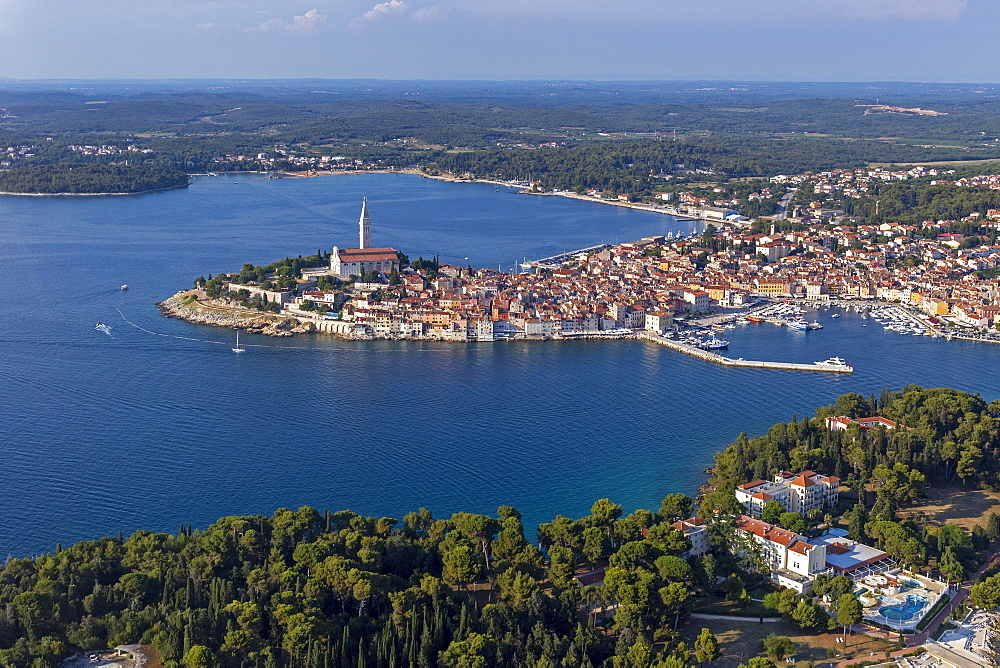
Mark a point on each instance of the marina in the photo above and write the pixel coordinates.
(708, 356)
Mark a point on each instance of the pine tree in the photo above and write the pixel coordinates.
(706, 647)
(993, 527)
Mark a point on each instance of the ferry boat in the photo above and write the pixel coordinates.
(835, 362)
(800, 325)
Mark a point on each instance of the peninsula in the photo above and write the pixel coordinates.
(941, 280)
(89, 180)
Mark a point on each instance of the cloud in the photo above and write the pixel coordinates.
(205, 26)
(428, 13)
(383, 10)
(310, 22)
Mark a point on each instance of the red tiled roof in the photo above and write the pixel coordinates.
(800, 547)
(802, 481)
(367, 254)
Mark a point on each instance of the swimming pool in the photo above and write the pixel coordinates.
(906, 610)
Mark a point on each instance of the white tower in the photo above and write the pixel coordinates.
(365, 227)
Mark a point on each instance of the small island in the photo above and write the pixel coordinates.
(89, 180)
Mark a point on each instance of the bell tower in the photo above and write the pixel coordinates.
(364, 227)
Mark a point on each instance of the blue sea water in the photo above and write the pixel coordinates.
(101, 434)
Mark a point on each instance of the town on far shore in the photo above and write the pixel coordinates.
(656, 284)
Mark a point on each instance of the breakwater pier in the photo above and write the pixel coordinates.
(556, 261)
(709, 356)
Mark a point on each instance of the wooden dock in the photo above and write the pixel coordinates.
(709, 356)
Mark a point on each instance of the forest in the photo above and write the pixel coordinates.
(478, 114)
(90, 179)
(318, 588)
(638, 167)
(913, 202)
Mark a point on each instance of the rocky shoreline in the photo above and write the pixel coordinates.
(188, 306)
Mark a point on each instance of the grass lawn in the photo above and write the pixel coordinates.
(740, 640)
(720, 606)
(952, 504)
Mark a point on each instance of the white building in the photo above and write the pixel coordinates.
(698, 299)
(843, 422)
(796, 492)
(657, 321)
(694, 530)
(794, 562)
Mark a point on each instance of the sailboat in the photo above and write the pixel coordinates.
(237, 349)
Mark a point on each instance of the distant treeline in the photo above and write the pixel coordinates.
(634, 167)
(472, 117)
(89, 179)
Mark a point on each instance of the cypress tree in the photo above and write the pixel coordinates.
(345, 644)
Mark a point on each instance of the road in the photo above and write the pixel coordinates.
(783, 205)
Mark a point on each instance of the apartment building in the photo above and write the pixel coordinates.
(793, 560)
(796, 492)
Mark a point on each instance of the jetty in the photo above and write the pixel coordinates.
(555, 261)
(728, 361)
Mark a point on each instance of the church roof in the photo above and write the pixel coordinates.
(367, 254)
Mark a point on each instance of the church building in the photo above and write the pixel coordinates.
(355, 261)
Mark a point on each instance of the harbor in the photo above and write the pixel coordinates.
(556, 261)
(708, 356)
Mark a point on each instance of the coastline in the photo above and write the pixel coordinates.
(652, 208)
(308, 174)
(139, 192)
(201, 311)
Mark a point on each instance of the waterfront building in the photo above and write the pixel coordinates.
(346, 262)
(658, 321)
(796, 492)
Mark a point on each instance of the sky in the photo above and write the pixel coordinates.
(804, 40)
